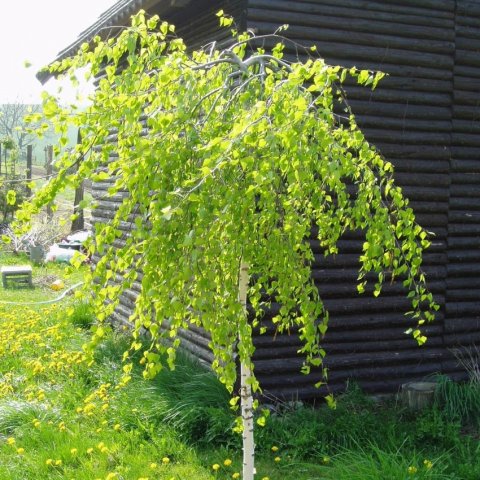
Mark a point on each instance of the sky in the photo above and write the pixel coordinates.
(35, 31)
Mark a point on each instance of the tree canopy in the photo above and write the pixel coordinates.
(228, 155)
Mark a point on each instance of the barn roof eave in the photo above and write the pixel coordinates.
(107, 25)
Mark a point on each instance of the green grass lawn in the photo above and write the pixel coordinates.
(66, 416)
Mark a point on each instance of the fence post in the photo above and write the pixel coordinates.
(29, 170)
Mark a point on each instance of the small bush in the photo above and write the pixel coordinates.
(12, 184)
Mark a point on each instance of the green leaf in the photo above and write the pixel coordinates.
(11, 197)
(100, 176)
(261, 421)
(363, 76)
(167, 212)
(331, 402)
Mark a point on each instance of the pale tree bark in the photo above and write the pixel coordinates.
(246, 397)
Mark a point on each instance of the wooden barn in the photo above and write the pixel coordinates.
(425, 118)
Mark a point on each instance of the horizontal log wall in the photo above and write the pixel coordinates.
(409, 119)
(462, 312)
(423, 118)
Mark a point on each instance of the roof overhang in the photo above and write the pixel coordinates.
(111, 22)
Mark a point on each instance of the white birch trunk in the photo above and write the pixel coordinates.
(246, 398)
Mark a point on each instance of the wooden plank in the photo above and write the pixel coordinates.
(403, 16)
(440, 9)
(459, 270)
(402, 109)
(353, 30)
(468, 9)
(360, 52)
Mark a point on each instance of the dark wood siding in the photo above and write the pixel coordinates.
(462, 313)
(409, 118)
(423, 118)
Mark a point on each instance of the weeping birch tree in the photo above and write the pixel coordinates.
(231, 157)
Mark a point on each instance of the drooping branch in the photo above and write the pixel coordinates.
(220, 148)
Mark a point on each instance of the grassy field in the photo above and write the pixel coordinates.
(66, 416)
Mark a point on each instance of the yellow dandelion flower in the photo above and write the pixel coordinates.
(20, 451)
(98, 430)
(266, 478)
(58, 463)
(37, 423)
(236, 475)
(215, 467)
(277, 459)
(165, 460)
(153, 465)
(116, 427)
(74, 451)
(412, 470)
(428, 464)
(274, 448)
(90, 450)
(227, 462)
(10, 441)
(100, 445)
(326, 459)
(104, 450)
(49, 461)
(111, 476)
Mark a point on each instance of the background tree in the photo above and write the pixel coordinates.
(13, 127)
(12, 123)
(244, 155)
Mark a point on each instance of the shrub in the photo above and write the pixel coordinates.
(12, 184)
